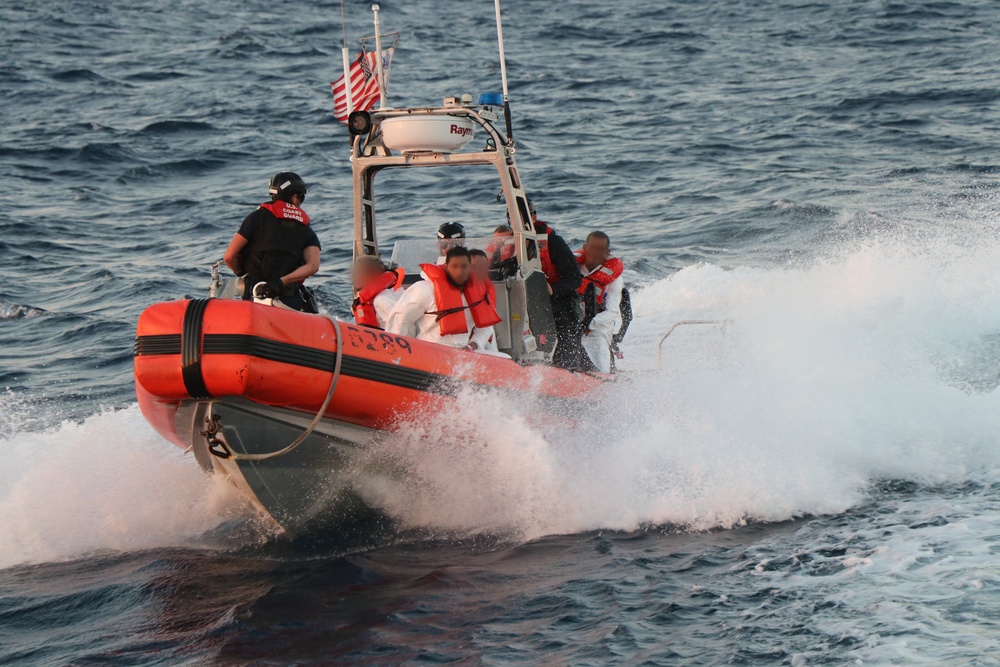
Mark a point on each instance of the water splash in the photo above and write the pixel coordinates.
(109, 483)
(879, 363)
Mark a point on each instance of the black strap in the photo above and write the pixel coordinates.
(451, 311)
(194, 382)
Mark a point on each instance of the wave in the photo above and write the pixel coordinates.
(168, 127)
(107, 484)
(77, 75)
(14, 311)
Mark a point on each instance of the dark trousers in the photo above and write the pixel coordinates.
(294, 300)
(569, 352)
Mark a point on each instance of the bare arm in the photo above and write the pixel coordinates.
(311, 257)
(234, 254)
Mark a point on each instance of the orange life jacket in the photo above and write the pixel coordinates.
(480, 297)
(551, 274)
(363, 307)
(602, 277)
(285, 211)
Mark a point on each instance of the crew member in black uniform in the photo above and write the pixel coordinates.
(276, 245)
(563, 275)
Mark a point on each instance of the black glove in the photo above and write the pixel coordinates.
(276, 287)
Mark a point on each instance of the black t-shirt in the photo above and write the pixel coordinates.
(251, 226)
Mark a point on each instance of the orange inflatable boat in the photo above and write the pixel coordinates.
(206, 349)
(241, 384)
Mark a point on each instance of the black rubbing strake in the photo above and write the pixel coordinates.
(161, 344)
(290, 353)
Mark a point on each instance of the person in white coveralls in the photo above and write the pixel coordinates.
(604, 272)
(450, 306)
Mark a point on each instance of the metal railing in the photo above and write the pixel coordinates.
(659, 346)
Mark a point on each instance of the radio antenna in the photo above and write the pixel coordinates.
(503, 74)
(381, 65)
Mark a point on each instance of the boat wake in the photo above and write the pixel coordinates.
(879, 364)
(107, 484)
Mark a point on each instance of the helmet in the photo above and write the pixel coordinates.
(285, 184)
(451, 230)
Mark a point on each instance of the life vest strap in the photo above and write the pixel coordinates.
(451, 311)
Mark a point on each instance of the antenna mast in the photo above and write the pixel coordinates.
(378, 51)
(503, 74)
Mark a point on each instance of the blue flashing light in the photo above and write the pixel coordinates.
(491, 99)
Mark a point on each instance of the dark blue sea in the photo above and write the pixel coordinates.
(814, 481)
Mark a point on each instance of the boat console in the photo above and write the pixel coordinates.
(441, 137)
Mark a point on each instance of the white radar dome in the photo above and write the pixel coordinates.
(427, 134)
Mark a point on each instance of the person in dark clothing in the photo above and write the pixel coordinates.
(563, 275)
(275, 245)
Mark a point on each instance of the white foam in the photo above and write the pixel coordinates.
(877, 363)
(109, 483)
(873, 364)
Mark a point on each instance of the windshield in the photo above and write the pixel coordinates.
(410, 254)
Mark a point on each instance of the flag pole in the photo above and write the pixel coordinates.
(378, 56)
(347, 62)
(503, 73)
(347, 80)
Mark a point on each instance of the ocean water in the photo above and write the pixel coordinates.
(813, 481)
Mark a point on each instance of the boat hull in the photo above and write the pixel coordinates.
(238, 382)
(317, 485)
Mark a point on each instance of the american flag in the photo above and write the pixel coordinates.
(364, 84)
